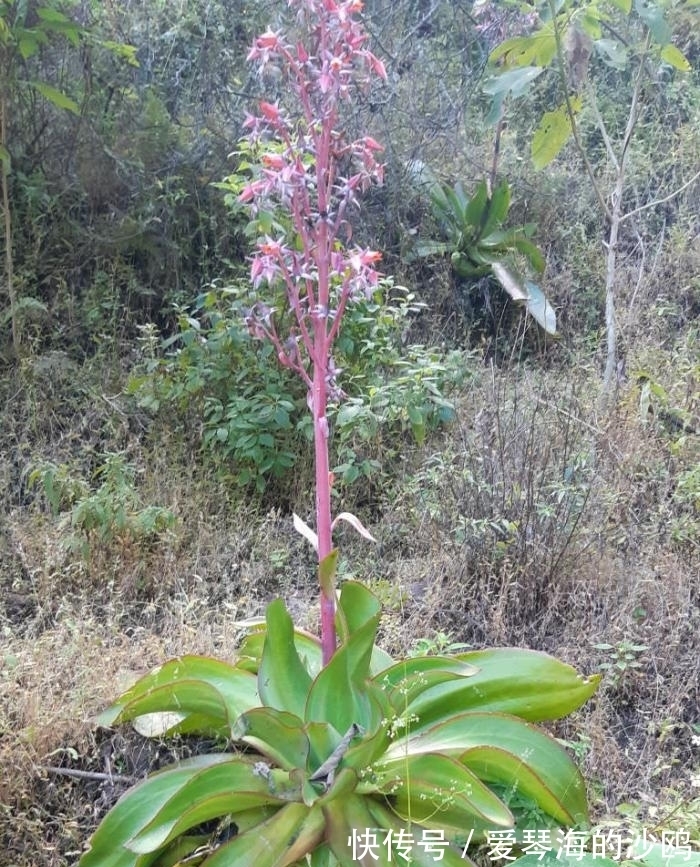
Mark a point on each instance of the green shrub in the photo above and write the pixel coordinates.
(253, 413)
(112, 514)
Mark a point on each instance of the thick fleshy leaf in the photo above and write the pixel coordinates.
(191, 686)
(338, 695)
(352, 833)
(406, 669)
(323, 739)
(439, 792)
(136, 809)
(283, 681)
(286, 837)
(526, 683)
(308, 647)
(220, 790)
(356, 605)
(406, 680)
(477, 210)
(540, 768)
(499, 205)
(424, 851)
(531, 251)
(278, 735)
(496, 765)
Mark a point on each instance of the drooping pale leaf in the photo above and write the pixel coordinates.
(439, 792)
(524, 683)
(511, 281)
(57, 97)
(285, 838)
(136, 809)
(303, 529)
(509, 751)
(515, 81)
(223, 789)
(652, 14)
(283, 681)
(552, 133)
(540, 309)
(5, 158)
(355, 523)
(675, 57)
(623, 5)
(278, 735)
(191, 686)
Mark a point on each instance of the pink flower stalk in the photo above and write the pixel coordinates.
(314, 174)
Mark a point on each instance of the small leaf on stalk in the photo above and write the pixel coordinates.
(354, 522)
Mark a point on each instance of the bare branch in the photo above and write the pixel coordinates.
(656, 202)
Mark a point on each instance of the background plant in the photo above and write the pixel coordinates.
(479, 245)
(569, 37)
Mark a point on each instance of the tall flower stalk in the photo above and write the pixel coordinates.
(314, 173)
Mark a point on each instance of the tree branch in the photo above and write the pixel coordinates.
(571, 114)
(656, 202)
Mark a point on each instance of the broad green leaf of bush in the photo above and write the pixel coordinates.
(552, 133)
(366, 742)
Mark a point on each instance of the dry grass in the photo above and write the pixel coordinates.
(530, 523)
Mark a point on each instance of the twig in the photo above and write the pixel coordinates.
(90, 775)
(660, 201)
